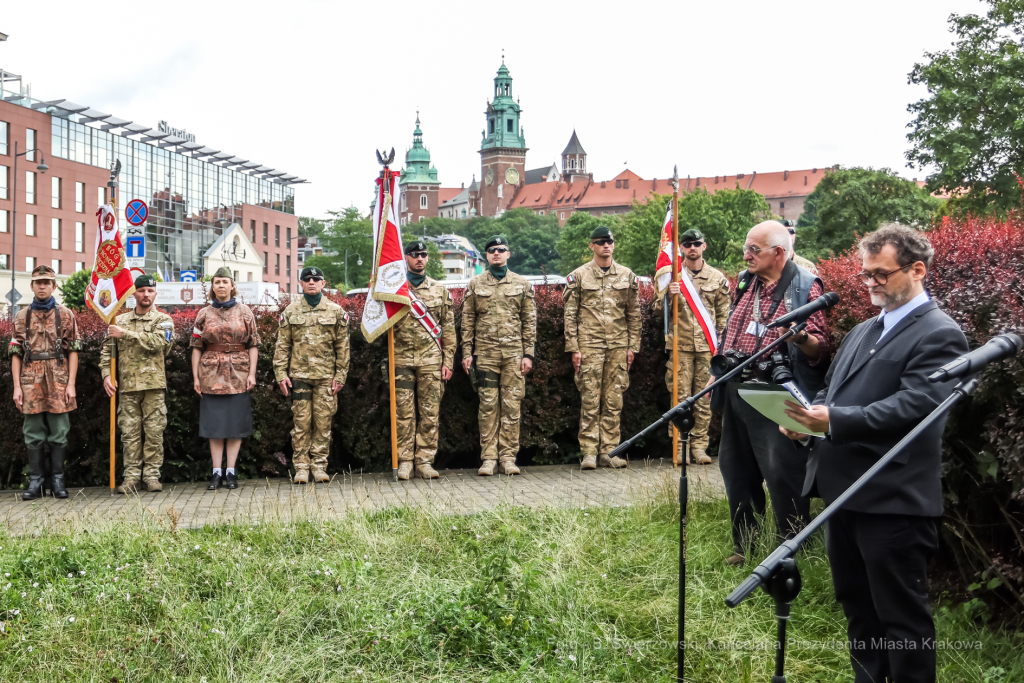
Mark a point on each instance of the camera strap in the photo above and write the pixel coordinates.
(788, 273)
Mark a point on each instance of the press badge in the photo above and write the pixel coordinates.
(757, 329)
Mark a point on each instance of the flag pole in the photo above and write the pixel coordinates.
(112, 184)
(675, 314)
(394, 408)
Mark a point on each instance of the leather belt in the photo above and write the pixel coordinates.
(225, 348)
(42, 356)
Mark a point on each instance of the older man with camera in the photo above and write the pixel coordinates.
(753, 452)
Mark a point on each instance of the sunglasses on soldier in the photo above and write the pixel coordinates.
(418, 254)
(497, 250)
(603, 242)
(312, 278)
(690, 245)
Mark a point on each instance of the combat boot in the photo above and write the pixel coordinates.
(404, 470)
(301, 477)
(130, 485)
(614, 463)
(321, 477)
(424, 470)
(700, 458)
(153, 485)
(508, 467)
(589, 462)
(57, 462)
(35, 481)
(486, 468)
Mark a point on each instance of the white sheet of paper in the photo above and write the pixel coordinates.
(772, 404)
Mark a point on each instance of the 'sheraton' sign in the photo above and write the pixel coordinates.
(176, 132)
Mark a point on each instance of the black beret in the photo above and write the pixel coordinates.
(601, 232)
(145, 281)
(496, 241)
(415, 246)
(692, 235)
(310, 271)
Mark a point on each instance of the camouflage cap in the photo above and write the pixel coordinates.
(224, 271)
(496, 241)
(601, 232)
(415, 245)
(311, 271)
(43, 273)
(691, 235)
(145, 281)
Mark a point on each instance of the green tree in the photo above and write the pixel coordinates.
(854, 201)
(72, 290)
(573, 242)
(312, 227)
(435, 268)
(969, 125)
(724, 217)
(347, 230)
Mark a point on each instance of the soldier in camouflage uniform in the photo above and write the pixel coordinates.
(44, 364)
(499, 329)
(602, 332)
(143, 337)
(421, 368)
(311, 358)
(694, 351)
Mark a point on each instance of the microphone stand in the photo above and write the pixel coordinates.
(681, 416)
(779, 575)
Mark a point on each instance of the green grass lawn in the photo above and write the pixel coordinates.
(418, 594)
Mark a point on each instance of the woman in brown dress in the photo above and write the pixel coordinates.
(223, 373)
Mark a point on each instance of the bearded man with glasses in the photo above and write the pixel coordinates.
(310, 365)
(602, 332)
(499, 330)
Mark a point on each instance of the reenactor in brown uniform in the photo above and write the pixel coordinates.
(694, 351)
(143, 337)
(424, 355)
(44, 363)
(499, 329)
(602, 332)
(311, 359)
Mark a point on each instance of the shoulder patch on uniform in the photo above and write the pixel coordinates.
(570, 279)
(346, 316)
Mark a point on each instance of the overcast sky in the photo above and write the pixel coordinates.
(312, 88)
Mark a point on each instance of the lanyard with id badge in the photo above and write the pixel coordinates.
(758, 330)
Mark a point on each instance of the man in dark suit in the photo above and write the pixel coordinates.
(877, 390)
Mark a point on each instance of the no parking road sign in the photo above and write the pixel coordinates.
(136, 212)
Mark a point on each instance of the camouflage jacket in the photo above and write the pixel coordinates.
(140, 351)
(43, 382)
(312, 343)
(499, 319)
(223, 372)
(602, 309)
(714, 292)
(413, 346)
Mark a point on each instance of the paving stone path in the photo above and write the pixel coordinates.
(461, 491)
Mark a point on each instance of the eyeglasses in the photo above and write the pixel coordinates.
(312, 279)
(879, 278)
(751, 249)
(690, 245)
(418, 254)
(497, 250)
(603, 242)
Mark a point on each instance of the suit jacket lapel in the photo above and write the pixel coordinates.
(907, 321)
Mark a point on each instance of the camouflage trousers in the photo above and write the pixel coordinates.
(602, 380)
(694, 372)
(313, 409)
(141, 412)
(502, 388)
(418, 393)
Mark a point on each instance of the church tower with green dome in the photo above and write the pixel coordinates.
(503, 148)
(419, 181)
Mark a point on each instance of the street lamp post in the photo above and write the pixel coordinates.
(42, 168)
(359, 262)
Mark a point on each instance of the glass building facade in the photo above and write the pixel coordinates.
(191, 201)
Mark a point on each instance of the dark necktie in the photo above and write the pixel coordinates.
(868, 342)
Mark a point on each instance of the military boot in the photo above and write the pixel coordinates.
(589, 462)
(614, 463)
(321, 477)
(486, 468)
(425, 470)
(129, 485)
(508, 467)
(404, 470)
(57, 462)
(699, 457)
(153, 485)
(301, 477)
(35, 481)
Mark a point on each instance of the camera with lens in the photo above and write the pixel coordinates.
(722, 364)
(775, 369)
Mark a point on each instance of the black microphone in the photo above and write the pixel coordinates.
(807, 310)
(996, 349)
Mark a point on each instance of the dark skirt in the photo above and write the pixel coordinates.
(225, 416)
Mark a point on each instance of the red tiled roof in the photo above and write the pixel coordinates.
(446, 193)
(630, 187)
(772, 185)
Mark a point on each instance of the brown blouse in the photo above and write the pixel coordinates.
(222, 372)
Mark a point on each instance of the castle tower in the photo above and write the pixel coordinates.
(419, 181)
(503, 148)
(574, 161)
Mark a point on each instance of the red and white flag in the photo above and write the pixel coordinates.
(388, 299)
(663, 277)
(112, 282)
